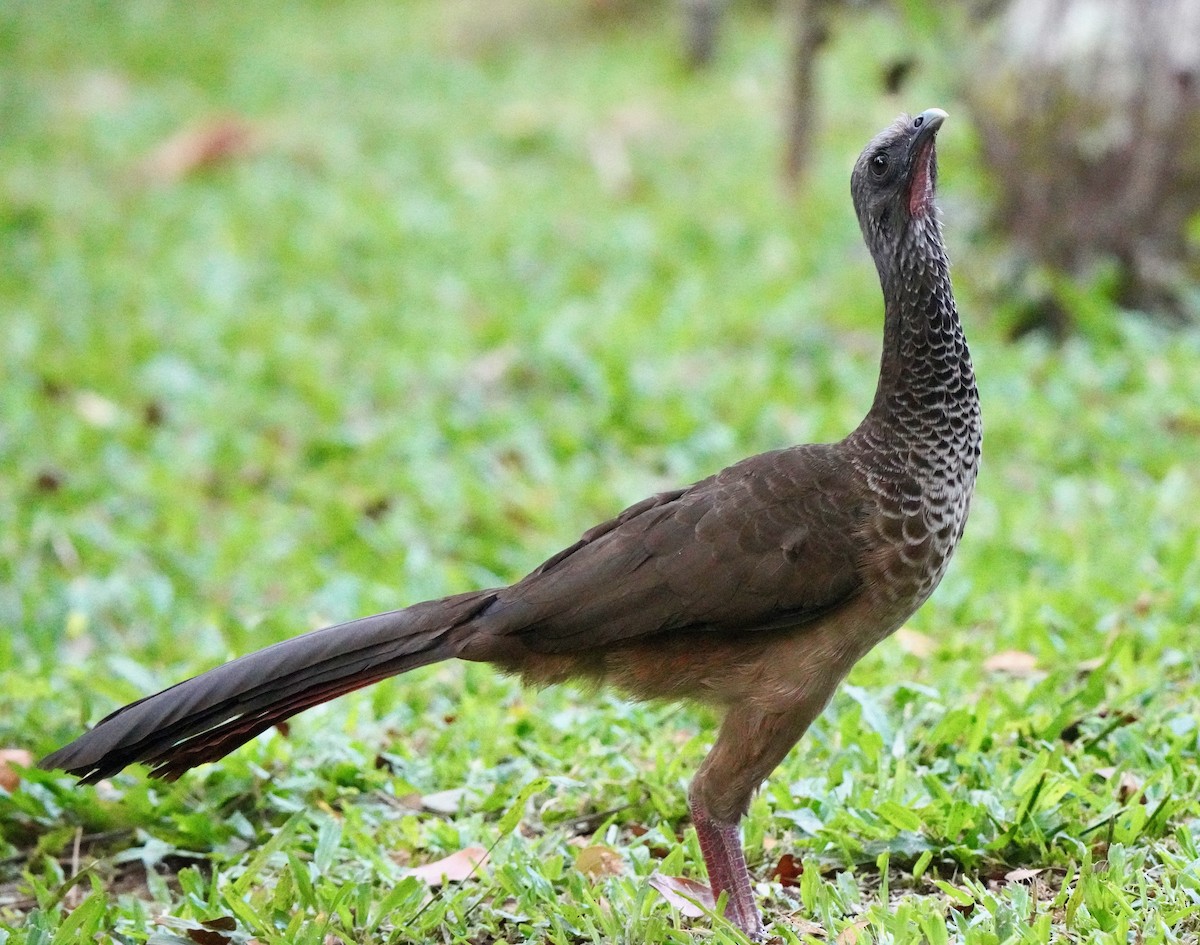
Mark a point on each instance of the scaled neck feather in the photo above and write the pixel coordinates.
(925, 370)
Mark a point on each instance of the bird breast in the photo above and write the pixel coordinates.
(920, 507)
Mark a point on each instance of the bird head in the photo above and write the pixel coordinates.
(894, 178)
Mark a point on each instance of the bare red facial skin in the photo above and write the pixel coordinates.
(920, 188)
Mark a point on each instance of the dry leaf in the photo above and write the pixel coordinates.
(804, 926)
(444, 802)
(9, 777)
(198, 146)
(411, 801)
(1022, 875)
(851, 933)
(788, 870)
(597, 861)
(219, 931)
(453, 868)
(1013, 662)
(214, 931)
(691, 898)
(1128, 785)
(915, 642)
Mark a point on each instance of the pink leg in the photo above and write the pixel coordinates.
(750, 744)
(722, 849)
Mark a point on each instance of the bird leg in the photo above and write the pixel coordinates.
(749, 745)
(721, 845)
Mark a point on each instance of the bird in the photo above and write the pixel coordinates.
(754, 590)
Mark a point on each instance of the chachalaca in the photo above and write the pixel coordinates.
(755, 590)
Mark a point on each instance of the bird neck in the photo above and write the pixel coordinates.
(926, 377)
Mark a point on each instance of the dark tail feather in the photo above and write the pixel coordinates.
(206, 717)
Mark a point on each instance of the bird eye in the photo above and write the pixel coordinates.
(879, 164)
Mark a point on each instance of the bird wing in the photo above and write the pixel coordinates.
(773, 541)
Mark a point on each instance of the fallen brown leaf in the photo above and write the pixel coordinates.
(691, 898)
(804, 926)
(9, 776)
(198, 146)
(410, 801)
(597, 861)
(789, 870)
(851, 933)
(219, 931)
(453, 868)
(214, 932)
(1013, 662)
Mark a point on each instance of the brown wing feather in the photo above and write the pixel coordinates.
(772, 541)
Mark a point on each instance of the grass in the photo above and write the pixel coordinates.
(484, 279)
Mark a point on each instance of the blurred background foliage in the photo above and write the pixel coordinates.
(319, 309)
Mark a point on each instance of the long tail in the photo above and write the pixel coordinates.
(207, 716)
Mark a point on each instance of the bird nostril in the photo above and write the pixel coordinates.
(918, 121)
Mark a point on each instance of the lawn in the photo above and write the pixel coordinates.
(461, 281)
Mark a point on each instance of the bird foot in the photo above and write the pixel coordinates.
(722, 849)
(745, 915)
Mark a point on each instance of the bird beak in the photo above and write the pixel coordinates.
(928, 122)
(923, 169)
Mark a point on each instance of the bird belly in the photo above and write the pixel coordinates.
(771, 670)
